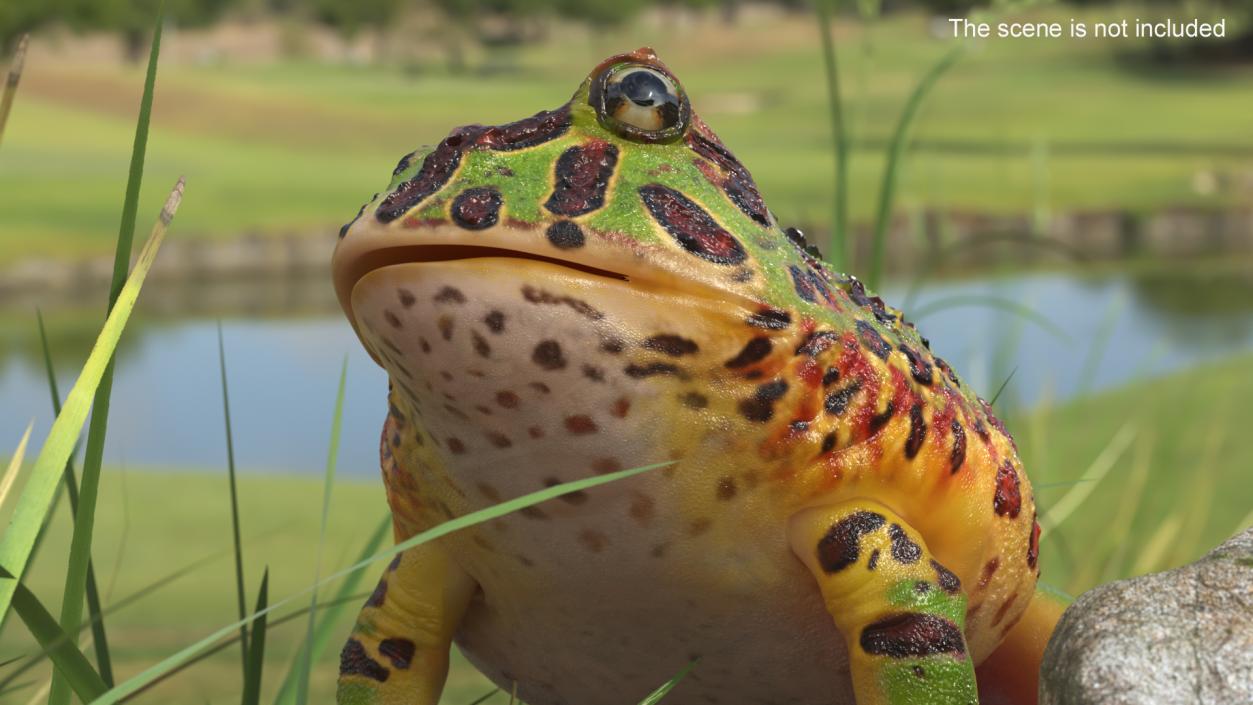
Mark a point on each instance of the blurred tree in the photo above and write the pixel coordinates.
(349, 17)
(18, 17)
(132, 19)
(600, 14)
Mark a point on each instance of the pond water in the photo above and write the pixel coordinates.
(1092, 332)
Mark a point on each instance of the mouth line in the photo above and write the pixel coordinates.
(413, 254)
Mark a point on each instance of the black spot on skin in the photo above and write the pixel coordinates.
(593, 373)
(760, 406)
(801, 283)
(548, 355)
(754, 351)
(527, 132)
(948, 371)
(726, 488)
(403, 165)
(450, 295)
(947, 579)
(770, 319)
(912, 634)
(392, 320)
(565, 235)
(922, 587)
(398, 651)
(878, 421)
(694, 400)
(739, 184)
(354, 661)
(652, 369)
(539, 296)
(917, 431)
(613, 346)
(691, 226)
(582, 178)
(874, 560)
(437, 169)
(407, 299)
(919, 672)
(495, 321)
(919, 368)
(840, 547)
(837, 402)
(831, 376)
(379, 596)
(872, 340)
(958, 455)
(480, 345)
(343, 230)
(817, 342)
(828, 443)
(477, 208)
(903, 549)
(672, 345)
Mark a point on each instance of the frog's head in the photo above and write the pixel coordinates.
(610, 252)
(624, 181)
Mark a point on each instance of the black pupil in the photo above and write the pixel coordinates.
(644, 89)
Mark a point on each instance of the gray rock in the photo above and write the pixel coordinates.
(1183, 636)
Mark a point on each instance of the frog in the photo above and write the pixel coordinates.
(835, 516)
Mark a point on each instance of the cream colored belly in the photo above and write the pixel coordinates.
(582, 628)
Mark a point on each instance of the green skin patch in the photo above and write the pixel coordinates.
(931, 679)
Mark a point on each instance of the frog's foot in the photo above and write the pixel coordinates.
(900, 611)
(1011, 675)
(398, 651)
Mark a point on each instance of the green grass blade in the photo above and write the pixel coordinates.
(15, 465)
(1009, 305)
(85, 516)
(896, 153)
(661, 692)
(98, 635)
(483, 698)
(238, 544)
(332, 454)
(1099, 468)
(256, 647)
(70, 663)
(323, 632)
(837, 254)
(45, 475)
(10, 85)
(138, 681)
(227, 643)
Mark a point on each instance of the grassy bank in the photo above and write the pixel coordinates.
(299, 145)
(1180, 487)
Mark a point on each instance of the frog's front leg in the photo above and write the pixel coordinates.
(900, 611)
(398, 651)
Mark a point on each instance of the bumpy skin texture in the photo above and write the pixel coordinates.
(553, 300)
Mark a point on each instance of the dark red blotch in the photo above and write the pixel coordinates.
(688, 223)
(583, 174)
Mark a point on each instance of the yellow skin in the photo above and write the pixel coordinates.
(601, 287)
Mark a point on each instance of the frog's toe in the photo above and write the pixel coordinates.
(900, 611)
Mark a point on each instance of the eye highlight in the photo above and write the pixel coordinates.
(640, 102)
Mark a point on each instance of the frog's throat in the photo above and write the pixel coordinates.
(371, 247)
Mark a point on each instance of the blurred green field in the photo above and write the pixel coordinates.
(297, 146)
(1180, 488)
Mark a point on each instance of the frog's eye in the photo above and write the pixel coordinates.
(640, 102)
